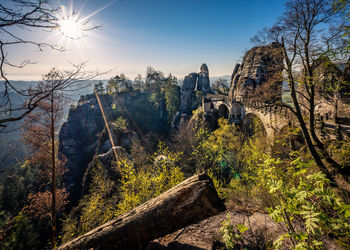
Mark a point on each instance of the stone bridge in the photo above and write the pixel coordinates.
(273, 117)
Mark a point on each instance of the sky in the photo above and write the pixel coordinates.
(172, 36)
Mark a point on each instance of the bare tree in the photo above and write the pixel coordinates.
(41, 129)
(307, 32)
(267, 35)
(33, 15)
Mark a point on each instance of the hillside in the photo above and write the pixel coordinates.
(219, 144)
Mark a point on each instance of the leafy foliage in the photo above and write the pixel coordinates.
(341, 150)
(231, 234)
(225, 151)
(172, 97)
(21, 235)
(140, 185)
(99, 88)
(120, 124)
(136, 186)
(301, 202)
(96, 207)
(306, 205)
(119, 84)
(221, 86)
(40, 203)
(296, 196)
(239, 236)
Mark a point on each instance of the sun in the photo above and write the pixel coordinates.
(71, 27)
(72, 24)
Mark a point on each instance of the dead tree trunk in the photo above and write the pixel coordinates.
(187, 203)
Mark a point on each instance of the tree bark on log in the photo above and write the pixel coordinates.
(187, 203)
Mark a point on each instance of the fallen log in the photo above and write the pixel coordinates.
(187, 203)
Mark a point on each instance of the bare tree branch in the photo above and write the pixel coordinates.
(30, 15)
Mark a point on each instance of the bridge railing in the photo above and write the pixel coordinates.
(286, 113)
(266, 108)
(217, 97)
(277, 110)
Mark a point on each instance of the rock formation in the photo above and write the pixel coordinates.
(234, 73)
(193, 84)
(188, 93)
(83, 135)
(203, 83)
(260, 74)
(78, 140)
(122, 137)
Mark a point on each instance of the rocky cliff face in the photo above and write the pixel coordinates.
(260, 74)
(83, 136)
(188, 93)
(203, 83)
(195, 85)
(78, 139)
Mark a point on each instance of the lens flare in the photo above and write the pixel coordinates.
(71, 27)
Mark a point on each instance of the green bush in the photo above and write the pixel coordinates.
(138, 186)
(96, 208)
(307, 206)
(22, 235)
(232, 235)
(302, 202)
(294, 193)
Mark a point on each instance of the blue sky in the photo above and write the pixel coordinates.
(173, 36)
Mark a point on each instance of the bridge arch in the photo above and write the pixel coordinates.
(223, 111)
(252, 124)
(273, 118)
